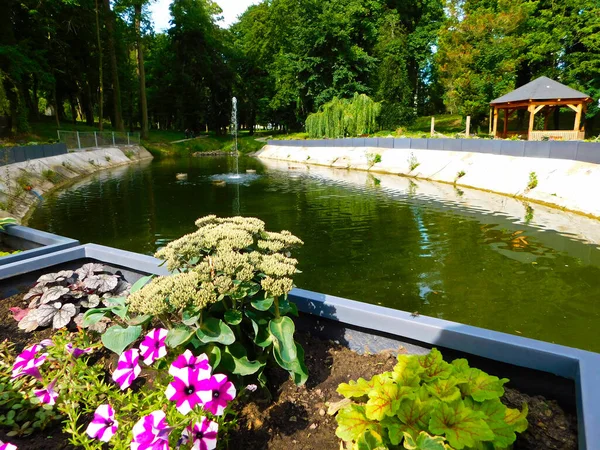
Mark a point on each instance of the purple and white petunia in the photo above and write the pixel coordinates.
(186, 390)
(187, 360)
(103, 426)
(47, 343)
(128, 368)
(220, 391)
(7, 446)
(28, 364)
(153, 346)
(202, 435)
(151, 432)
(77, 352)
(47, 395)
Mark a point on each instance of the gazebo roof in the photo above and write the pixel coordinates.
(542, 88)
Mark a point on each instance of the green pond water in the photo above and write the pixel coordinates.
(414, 246)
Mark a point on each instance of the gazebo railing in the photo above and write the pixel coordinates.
(557, 135)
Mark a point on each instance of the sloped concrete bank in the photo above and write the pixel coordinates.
(561, 183)
(22, 185)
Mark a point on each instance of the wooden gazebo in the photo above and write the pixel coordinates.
(541, 93)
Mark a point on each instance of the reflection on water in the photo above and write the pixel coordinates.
(458, 254)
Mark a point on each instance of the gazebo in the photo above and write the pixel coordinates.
(541, 93)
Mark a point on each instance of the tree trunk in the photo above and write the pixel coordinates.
(116, 88)
(142, 72)
(36, 101)
(87, 101)
(100, 73)
(56, 116)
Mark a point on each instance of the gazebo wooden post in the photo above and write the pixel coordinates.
(578, 117)
(495, 121)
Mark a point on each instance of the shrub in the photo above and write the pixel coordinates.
(413, 163)
(533, 181)
(394, 114)
(426, 402)
(50, 175)
(129, 153)
(373, 158)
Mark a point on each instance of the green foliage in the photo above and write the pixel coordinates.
(344, 117)
(7, 221)
(50, 175)
(373, 158)
(413, 163)
(533, 181)
(427, 403)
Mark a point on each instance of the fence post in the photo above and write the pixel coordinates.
(128, 138)
(113, 134)
(96, 139)
(58, 131)
(432, 126)
(78, 141)
(468, 126)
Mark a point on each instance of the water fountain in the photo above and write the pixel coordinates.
(234, 131)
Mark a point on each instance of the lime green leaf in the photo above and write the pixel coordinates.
(434, 366)
(352, 422)
(462, 426)
(282, 331)
(359, 388)
(140, 284)
(262, 304)
(384, 400)
(117, 338)
(370, 440)
(178, 336)
(233, 317)
(215, 330)
(235, 360)
(93, 316)
(413, 417)
(407, 371)
(517, 419)
(424, 441)
(445, 390)
(482, 386)
(495, 415)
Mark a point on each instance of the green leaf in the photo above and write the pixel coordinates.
(517, 419)
(462, 426)
(297, 368)
(178, 336)
(140, 284)
(213, 352)
(434, 366)
(260, 325)
(424, 441)
(445, 390)
(215, 330)
(352, 422)
(190, 318)
(504, 422)
(93, 316)
(117, 338)
(233, 317)
(282, 331)
(370, 440)
(385, 399)
(139, 320)
(235, 360)
(407, 371)
(482, 386)
(413, 417)
(358, 388)
(285, 307)
(262, 304)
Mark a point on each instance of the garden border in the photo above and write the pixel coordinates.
(578, 365)
(588, 152)
(47, 242)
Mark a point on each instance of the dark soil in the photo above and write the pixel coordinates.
(296, 417)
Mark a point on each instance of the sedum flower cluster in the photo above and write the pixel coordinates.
(215, 261)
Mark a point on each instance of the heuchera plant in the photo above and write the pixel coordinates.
(58, 298)
(426, 402)
(227, 298)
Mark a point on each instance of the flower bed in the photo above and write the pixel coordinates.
(199, 357)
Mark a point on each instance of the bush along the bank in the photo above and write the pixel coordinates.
(428, 403)
(227, 298)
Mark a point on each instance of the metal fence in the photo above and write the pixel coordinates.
(573, 150)
(77, 140)
(11, 155)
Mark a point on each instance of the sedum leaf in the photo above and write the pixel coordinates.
(235, 359)
(215, 330)
(482, 386)
(178, 336)
(352, 422)
(424, 441)
(233, 317)
(140, 284)
(462, 426)
(434, 366)
(262, 304)
(282, 331)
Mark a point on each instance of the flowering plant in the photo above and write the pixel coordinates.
(227, 297)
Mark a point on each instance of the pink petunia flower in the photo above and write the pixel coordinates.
(47, 343)
(128, 368)
(27, 363)
(187, 360)
(103, 426)
(186, 390)
(47, 395)
(153, 346)
(202, 435)
(77, 352)
(220, 393)
(7, 446)
(151, 432)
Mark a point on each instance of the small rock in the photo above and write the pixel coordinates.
(321, 412)
(319, 392)
(293, 419)
(313, 426)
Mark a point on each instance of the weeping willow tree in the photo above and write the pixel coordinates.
(344, 117)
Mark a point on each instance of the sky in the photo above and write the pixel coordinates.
(231, 10)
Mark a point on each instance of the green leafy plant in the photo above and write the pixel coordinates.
(107, 158)
(50, 175)
(23, 181)
(129, 153)
(7, 221)
(373, 158)
(460, 174)
(413, 163)
(533, 181)
(426, 400)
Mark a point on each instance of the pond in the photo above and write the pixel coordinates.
(457, 254)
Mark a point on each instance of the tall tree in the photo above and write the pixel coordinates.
(109, 20)
(141, 70)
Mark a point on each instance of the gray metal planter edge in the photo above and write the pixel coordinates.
(49, 243)
(578, 365)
